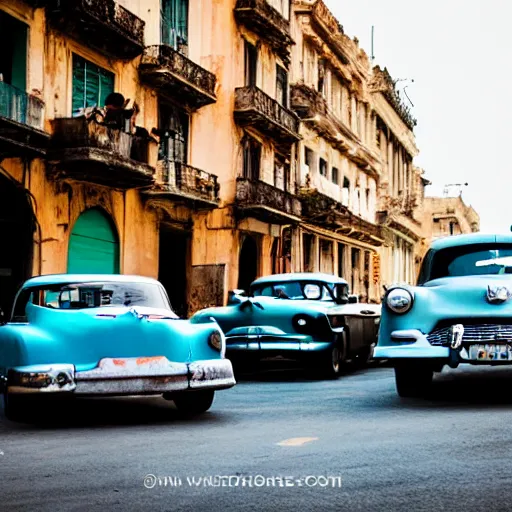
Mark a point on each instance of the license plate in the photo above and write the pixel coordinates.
(490, 352)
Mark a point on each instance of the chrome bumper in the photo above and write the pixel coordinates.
(410, 344)
(123, 376)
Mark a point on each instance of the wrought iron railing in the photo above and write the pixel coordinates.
(21, 107)
(167, 57)
(79, 133)
(266, 10)
(253, 98)
(106, 12)
(256, 192)
(190, 180)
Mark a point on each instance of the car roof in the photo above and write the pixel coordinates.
(51, 279)
(469, 239)
(301, 276)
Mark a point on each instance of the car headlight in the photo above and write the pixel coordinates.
(399, 300)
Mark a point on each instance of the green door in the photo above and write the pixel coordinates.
(94, 245)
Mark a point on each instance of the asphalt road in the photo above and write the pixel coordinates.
(349, 444)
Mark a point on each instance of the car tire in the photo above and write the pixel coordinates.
(194, 402)
(413, 381)
(330, 364)
(18, 408)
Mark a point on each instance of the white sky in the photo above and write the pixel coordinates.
(457, 52)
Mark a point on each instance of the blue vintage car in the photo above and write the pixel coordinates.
(101, 335)
(459, 312)
(305, 317)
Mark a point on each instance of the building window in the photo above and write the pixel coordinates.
(335, 175)
(91, 85)
(281, 173)
(174, 24)
(323, 167)
(341, 260)
(309, 249)
(321, 77)
(282, 86)
(174, 132)
(345, 193)
(252, 158)
(356, 265)
(251, 64)
(13, 57)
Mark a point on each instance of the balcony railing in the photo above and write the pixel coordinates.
(174, 75)
(262, 200)
(21, 122)
(254, 107)
(102, 24)
(21, 107)
(266, 21)
(184, 181)
(312, 106)
(321, 210)
(85, 150)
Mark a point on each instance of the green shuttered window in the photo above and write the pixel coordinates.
(174, 14)
(91, 84)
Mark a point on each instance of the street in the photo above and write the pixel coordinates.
(450, 452)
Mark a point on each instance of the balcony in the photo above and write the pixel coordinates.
(183, 183)
(174, 75)
(321, 210)
(21, 124)
(100, 24)
(88, 151)
(313, 108)
(268, 23)
(265, 202)
(255, 108)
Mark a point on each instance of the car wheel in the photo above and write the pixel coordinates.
(194, 402)
(330, 363)
(18, 408)
(413, 381)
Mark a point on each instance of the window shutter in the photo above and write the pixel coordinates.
(91, 85)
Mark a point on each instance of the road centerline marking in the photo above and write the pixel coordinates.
(297, 441)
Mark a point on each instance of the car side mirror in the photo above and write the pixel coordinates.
(353, 299)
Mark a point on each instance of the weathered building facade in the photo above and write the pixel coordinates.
(448, 216)
(399, 209)
(196, 191)
(339, 166)
(255, 139)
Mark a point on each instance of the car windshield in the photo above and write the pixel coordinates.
(471, 260)
(295, 290)
(92, 295)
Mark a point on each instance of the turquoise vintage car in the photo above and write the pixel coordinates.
(306, 317)
(459, 312)
(100, 335)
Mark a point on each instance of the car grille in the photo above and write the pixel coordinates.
(487, 333)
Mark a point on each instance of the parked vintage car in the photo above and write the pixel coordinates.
(105, 335)
(308, 317)
(459, 312)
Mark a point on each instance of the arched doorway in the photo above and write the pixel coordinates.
(17, 226)
(93, 245)
(247, 263)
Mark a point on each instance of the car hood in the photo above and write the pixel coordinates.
(268, 311)
(84, 337)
